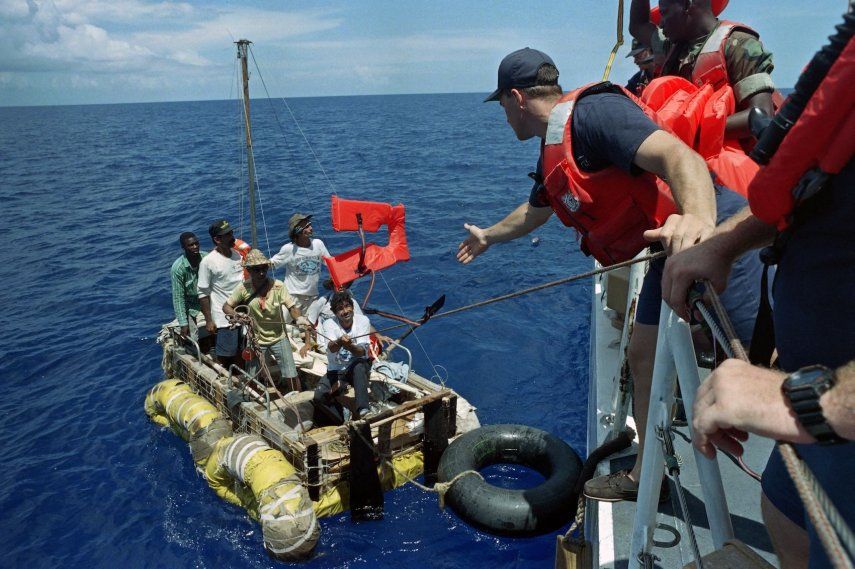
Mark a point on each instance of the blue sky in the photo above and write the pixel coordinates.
(115, 51)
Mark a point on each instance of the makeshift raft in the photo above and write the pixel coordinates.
(260, 450)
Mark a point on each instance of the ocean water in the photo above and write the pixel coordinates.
(94, 198)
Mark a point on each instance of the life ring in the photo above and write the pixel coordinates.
(504, 511)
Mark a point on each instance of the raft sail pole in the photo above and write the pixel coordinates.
(242, 46)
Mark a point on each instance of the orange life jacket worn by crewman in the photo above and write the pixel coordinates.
(609, 208)
(821, 140)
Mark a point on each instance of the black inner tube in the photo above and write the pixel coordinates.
(536, 510)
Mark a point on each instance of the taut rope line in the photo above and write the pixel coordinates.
(550, 284)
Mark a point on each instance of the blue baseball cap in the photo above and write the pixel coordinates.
(518, 70)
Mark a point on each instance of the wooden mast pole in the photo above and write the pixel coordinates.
(243, 46)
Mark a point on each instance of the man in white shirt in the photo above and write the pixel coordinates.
(302, 259)
(347, 338)
(220, 272)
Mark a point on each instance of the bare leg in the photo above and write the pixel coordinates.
(789, 540)
(641, 353)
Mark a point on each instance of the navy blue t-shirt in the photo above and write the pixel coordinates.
(814, 316)
(607, 128)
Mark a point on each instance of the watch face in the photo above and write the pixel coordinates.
(808, 377)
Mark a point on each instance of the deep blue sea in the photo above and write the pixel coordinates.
(94, 198)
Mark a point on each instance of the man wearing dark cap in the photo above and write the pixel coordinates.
(184, 276)
(302, 259)
(643, 58)
(220, 272)
(602, 168)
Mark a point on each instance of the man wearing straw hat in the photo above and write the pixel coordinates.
(265, 298)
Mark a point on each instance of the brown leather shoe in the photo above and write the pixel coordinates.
(619, 486)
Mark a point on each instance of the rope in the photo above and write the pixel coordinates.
(829, 524)
(282, 130)
(246, 320)
(565, 280)
(572, 533)
(618, 42)
(508, 296)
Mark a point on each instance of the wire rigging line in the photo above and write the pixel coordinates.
(287, 139)
(550, 284)
(401, 310)
(832, 529)
(591, 273)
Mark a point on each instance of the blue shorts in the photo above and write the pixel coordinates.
(227, 342)
(742, 296)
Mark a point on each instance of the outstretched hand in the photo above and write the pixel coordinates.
(679, 232)
(473, 245)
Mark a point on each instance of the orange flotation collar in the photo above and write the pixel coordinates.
(820, 138)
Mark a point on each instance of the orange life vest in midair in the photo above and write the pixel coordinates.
(353, 215)
(242, 248)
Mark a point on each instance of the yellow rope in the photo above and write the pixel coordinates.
(618, 42)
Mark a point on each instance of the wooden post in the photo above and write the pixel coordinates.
(435, 438)
(384, 447)
(313, 470)
(366, 493)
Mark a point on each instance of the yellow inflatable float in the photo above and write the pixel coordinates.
(244, 470)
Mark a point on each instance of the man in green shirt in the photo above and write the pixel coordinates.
(184, 275)
(265, 298)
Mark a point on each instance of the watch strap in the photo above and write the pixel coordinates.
(804, 399)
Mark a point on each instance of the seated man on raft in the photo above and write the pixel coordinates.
(347, 338)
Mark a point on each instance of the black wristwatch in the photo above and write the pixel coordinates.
(803, 389)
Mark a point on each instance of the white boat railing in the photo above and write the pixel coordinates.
(622, 393)
(675, 359)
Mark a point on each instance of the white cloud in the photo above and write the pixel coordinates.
(88, 46)
(262, 26)
(136, 11)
